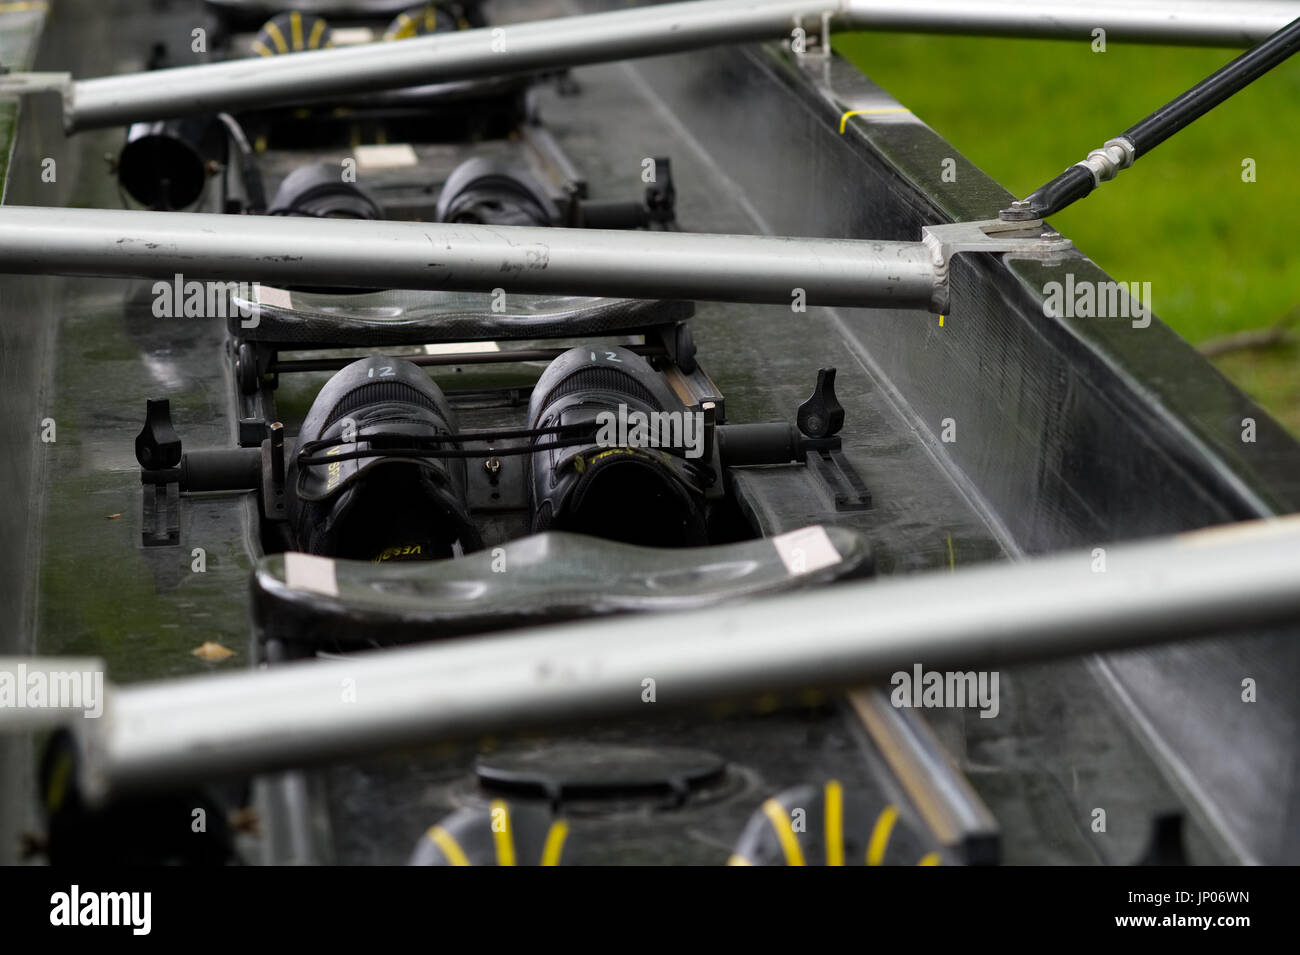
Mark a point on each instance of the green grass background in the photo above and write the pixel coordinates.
(1222, 254)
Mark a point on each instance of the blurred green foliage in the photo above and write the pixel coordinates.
(1221, 253)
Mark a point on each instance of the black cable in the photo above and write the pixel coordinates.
(376, 449)
(398, 452)
(580, 430)
(250, 172)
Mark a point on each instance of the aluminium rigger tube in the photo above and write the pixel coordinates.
(516, 48)
(467, 257)
(1227, 579)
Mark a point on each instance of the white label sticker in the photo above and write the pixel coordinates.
(351, 36)
(309, 572)
(386, 157)
(806, 550)
(276, 297)
(461, 348)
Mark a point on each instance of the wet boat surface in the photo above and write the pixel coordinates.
(1068, 434)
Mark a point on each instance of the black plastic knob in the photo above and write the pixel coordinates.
(158, 446)
(821, 415)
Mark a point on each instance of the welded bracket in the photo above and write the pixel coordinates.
(18, 84)
(1026, 238)
(24, 84)
(803, 40)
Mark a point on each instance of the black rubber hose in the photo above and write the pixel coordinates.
(225, 469)
(742, 445)
(614, 214)
(745, 444)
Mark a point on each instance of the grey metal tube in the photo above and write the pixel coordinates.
(643, 31)
(416, 255)
(1224, 579)
(1181, 22)
(467, 54)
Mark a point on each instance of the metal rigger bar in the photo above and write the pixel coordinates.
(1227, 579)
(622, 34)
(479, 258)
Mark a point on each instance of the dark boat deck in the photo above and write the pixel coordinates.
(1066, 436)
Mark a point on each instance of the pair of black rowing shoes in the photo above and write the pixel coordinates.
(380, 471)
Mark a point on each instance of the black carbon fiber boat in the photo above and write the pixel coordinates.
(218, 468)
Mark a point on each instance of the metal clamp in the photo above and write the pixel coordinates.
(24, 84)
(20, 84)
(1107, 162)
(1025, 238)
(819, 36)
